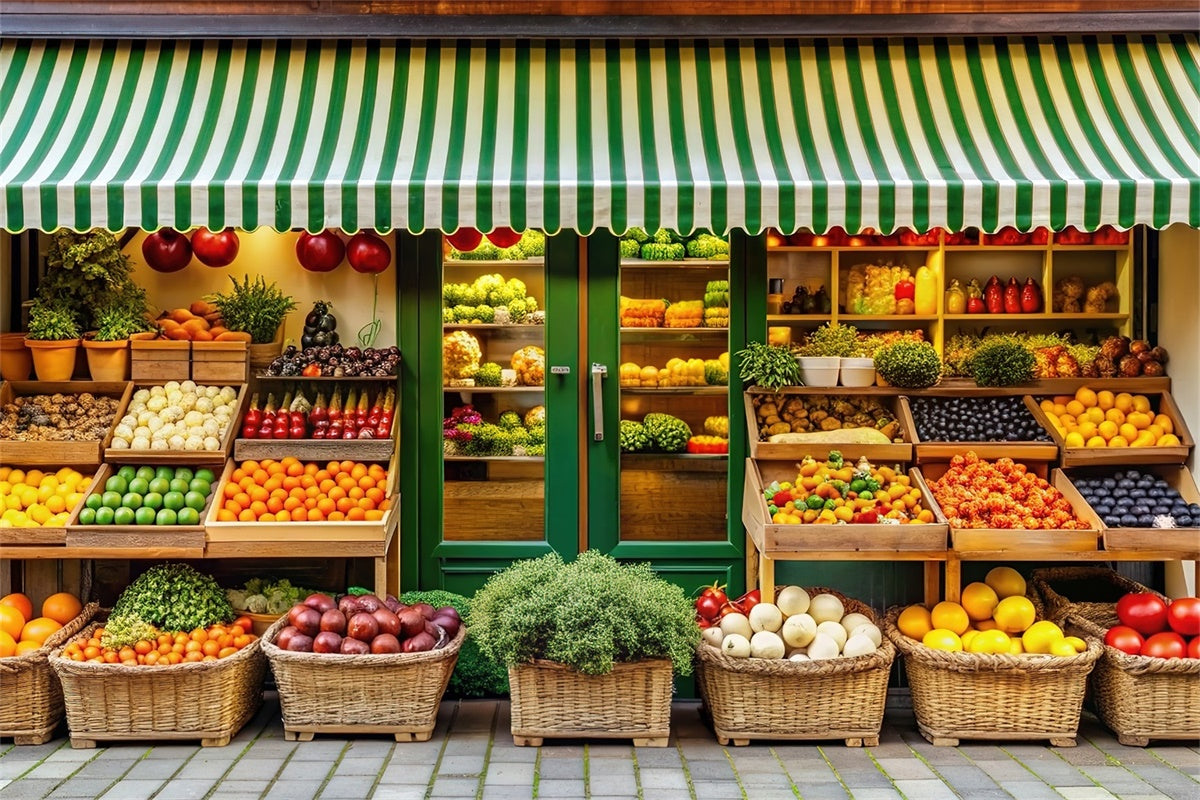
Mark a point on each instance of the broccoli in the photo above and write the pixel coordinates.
(663, 236)
(485, 252)
(537, 434)
(633, 437)
(535, 450)
(464, 313)
(630, 248)
(533, 244)
(499, 296)
(485, 440)
(510, 420)
(531, 304)
(514, 253)
(658, 251)
(707, 246)
(488, 374)
(517, 287)
(452, 293)
(667, 433)
(516, 311)
(448, 316)
(174, 597)
(636, 234)
(484, 314)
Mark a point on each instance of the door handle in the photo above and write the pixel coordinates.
(599, 373)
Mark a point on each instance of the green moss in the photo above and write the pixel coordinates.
(475, 675)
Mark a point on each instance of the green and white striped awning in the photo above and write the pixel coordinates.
(585, 135)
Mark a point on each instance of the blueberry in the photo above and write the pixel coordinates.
(1184, 520)
(1129, 521)
(1154, 491)
(1109, 483)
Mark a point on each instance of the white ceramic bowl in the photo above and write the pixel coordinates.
(819, 370)
(857, 371)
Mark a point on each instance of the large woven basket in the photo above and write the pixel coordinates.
(983, 696)
(376, 693)
(1139, 697)
(633, 701)
(756, 698)
(30, 678)
(205, 700)
(1091, 592)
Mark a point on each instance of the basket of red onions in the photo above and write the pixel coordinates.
(362, 665)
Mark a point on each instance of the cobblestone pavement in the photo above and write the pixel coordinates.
(472, 756)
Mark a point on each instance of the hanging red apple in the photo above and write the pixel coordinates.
(504, 237)
(167, 250)
(367, 253)
(320, 252)
(215, 249)
(464, 240)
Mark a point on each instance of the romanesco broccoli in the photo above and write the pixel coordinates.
(630, 248)
(488, 374)
(510, 420)
(532, 244)
(658, 251)
(637, 234)
(516, 311)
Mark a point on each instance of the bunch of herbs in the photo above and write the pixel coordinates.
(768, 365)
(255, 307)
(51, 321)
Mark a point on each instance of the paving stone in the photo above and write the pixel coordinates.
(926, 789)
(823, 790)
(395, 792)
(371, 748)
(559, 788)
(407, 774)
(658, 778)
(416, 753)
(506, 792)
(240, 788)
(658, 757)
(1177, 756)
(1057, 773)
(1155, 796)
(235, 794)
(154, 768)
(368, 765)
(983, 794)
(29, 789)
(966, 777)
(292, 790)
(710, 770)
(979, 752)
(460, 765)
(318, 750)
(475, 715)
(104, 769)
(1168, 780)
(1030, 790)
(761, 780)
(53, 769)
(176, 752)
(271, 748)
(554, 768)
(509, 775)
(176, 789)
(596, 750)
(254, 769)
(857, 779)
(1005, 771)
(904, 769)
(81, 787)
(127, 789)
(1084, 793)
(311, 771)
(714, 790)
(124, 753)
(354, 787)
(613, 785)
(876, 793)
(1118, 780)
(71, 754)
(455, 787)
(1083, 755)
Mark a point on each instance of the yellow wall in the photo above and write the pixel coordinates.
(273, 255)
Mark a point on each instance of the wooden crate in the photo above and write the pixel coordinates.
(220, 362)
(1185, 540)
(86, 453)
(134, 537)
(13, 539)
(1161, 403)
(375, 531)
(314, 449)
(968, 540)
(160, 360)
(925, 451)
(894, 452)
(772, 539)
(196, 458)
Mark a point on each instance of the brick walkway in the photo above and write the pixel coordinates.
(472, 756)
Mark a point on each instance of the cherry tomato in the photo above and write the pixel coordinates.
(716, 591)
(1165, 645)
(1125, 639)
(1145, 612)
(1193, 648)
(1183, 615)
(749, 600)
(708, 607)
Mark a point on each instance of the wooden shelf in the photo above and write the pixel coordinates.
(688, 390)
(841, 248)
(1091, 248)
(798, 318)
(491, 389)
(479, 262)
(854, 318)
(509, 459)
(520, 327)
(327, 379)
(677, 456)
(998, 248)
(669, 332)
(1040, 317)
(687, 263)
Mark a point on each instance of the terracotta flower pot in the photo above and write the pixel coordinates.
(53, 361)
(15, 359)
(107, 361)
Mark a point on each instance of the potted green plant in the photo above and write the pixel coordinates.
(257, 308)
(53, 337)
(820, 357)
(87, 272)
(107, 347)
(590, 646)
(770, 366)
(858, 368)
(908, 364)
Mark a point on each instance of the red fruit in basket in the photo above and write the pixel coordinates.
(304, 619)
(447, 611)
(354, 647)
(1145, 612)
(385, 643)
(362, 626)
(349, 606)
(393, 605)
(1125, 639)
(333, 620)
(1165, 645)
(412, 621)
(426, 610)
(327, 642)
(369, 603)
(448, 624)
(285, 636)
(420, 643)
(388, 622)
(321, 602)
(1183, 615)
(300, 644)
(1193, 648)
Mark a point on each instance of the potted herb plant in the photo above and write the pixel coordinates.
(87, 272)
(820, 358)
(53, 338)
(257, 308)
(107, 347)
(591, 646)
(768, 365)
(908, 364)
(15, 360)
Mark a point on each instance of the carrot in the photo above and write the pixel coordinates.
(202, 308)
(179, 333)
(195, 324)
(233, 336)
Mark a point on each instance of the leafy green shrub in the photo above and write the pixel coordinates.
(1002, 364)
(588, 614)
(117, 322)
(51, 322)
(475, 675)
(253, 307)
(909, 365)
(768, 366)
(173, 597)
(832, 340)
(87, 272)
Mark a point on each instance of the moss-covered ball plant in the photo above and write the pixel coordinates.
(1002, 364)
(909, 365)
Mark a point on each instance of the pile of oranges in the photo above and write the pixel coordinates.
(21, 632)
(1104, 419)
(290, 490)
(203, 644)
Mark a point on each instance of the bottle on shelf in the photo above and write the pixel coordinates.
(775, 296)
(925, 293)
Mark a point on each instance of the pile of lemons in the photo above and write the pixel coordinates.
(994, 616)
(1104, 419)
(34, 499)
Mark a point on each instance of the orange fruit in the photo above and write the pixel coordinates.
(979, 600)
(11, 621)
(356, 514)
(337, 516)
(942, 639)
(20, 602)
(374, 515)
(914, 622)
(36, 630)
(62, 607)
(1006, 582)
(8, 645)
(246, 515)
(1105, 399)
(1014, 614)
(950, 616)
(26, 647)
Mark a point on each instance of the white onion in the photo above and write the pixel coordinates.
(735, 645)
(170, 386)
(157, 403)
(139, 443)
(858, 645)
(871, 631)
(157, 391)
(120, 444)
(712, 636)
(193, 443)
(799, 630)
(853, 620)
(834, 631)
(159, 444)
(826, 607)
(766, 644)
(212, 443)
(736, 623)
(141, 396)
(123, 431)
(204, 404)
(792, 600)
(765, 617)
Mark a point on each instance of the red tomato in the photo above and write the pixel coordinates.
(717, 591)
(1145, 612)
(1183, 615)
(1165, 645)
(1193, 648)
(1125, 639)
(708, 607)
(245, 621)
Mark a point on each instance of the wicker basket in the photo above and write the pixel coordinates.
(551, 700)
(205, 700)
(1056, 586)
(755, 698)
(324, 693)
(1139, 697)
(982, 696)
(29, 677)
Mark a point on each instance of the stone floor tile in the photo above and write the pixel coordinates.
(553, 768)
(560, 788)
(714, 790)
(128, 789)
(460, 765)
(29, 789)
(509, 774)
(78, 787)
(1156, 796)
(710, 770)
(455, 787)
(1030, 790)
(104, 769)
(904, 769)
(823, 790)
(67, 753)
(1085, 793)
(875, 793)
(368, 765)
(394, 791)
(409, 774)
(258, 769)
(241, 787)
(53, 769)
(353, 787)
(176, 789)
(159, 768)
(506, 792)
(658, 778)
(613, 785)
(926, 789)
(966, 777)
(176, 752)
(292, 790)
(326, 750)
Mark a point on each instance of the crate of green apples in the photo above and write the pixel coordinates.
(144, 506)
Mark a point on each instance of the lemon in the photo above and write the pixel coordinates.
(950, 616)
(990, 642)
(987, 625)
(1006, 582)
(1079, 644)
(1074, 439)
(1041, 636)
(1015, 646)
(967, 638)
(979, 600)
(1063, 649)
(914, 622)
(1096, 441)
(1014, 614)
(941, 639)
